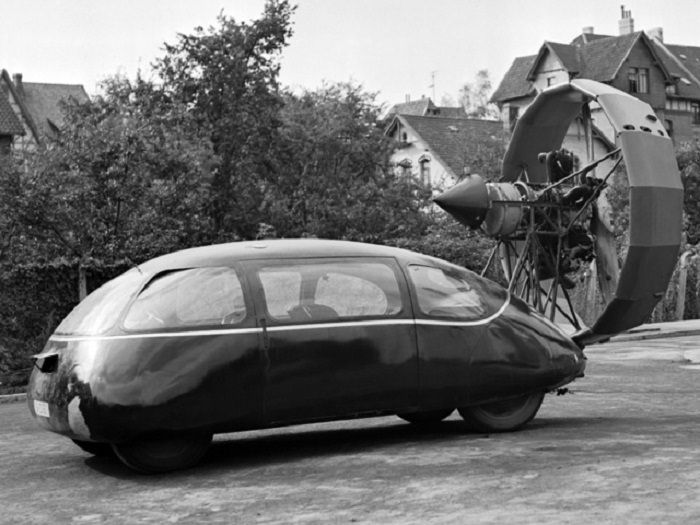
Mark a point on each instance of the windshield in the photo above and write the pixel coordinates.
(100, 310)
(455, 293)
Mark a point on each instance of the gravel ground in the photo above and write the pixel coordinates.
(622, 448)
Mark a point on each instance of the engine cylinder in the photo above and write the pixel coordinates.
(503, 217)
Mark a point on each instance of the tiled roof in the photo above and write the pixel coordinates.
(586, 38)
(602, 58)
(683, 69)
(43, 101)
(414, 107)
(454, 140)
(515, 83)
(9, 123)
(688, 56)
(568, 55)
(449, 112)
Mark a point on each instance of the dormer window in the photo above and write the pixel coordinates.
(638, 78)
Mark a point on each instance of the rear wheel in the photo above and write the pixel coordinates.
(96, 449)
(426, 417)
(503, 416)
(155, 454)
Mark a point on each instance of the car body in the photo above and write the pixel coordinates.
(260, 334)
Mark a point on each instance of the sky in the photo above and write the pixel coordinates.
(395, 48)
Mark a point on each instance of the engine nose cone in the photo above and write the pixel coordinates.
(467, 201)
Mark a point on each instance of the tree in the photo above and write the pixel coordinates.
(474, 97)
(228, 78)
(126, 178)
(688, 157)
(333, 178)
(9, 225)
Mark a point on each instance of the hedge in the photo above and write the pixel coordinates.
(34, 299)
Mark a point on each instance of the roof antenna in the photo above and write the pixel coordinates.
(432, 84)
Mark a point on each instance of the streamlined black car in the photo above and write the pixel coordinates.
(261, 334)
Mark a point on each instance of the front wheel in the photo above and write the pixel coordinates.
(156, 454)
(503, 416)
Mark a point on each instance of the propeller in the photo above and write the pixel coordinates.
(547, 219)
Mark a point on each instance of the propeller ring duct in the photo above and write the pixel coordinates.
(656, 191)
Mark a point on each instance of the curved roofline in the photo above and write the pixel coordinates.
(228, 253)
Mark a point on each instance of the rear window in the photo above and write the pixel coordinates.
(100, 310)
(455, 293)
(188, 298)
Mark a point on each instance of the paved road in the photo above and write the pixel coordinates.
(623, 448)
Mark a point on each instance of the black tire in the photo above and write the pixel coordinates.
(96, 449)
(503, 416)
(152, 455)
(427, 417)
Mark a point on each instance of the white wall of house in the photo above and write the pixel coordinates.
(512, 110)
(575, 141)
(549, 73)
(411, 160)
(415, 159)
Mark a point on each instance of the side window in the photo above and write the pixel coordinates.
(446, 294)
(184, 298)
(327, 291)
(282, 289)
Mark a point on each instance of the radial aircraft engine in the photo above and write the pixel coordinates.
(547, 214)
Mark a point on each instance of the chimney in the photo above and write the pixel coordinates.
(657, 33)
(408, 97)
(588, 30)
(17, 81)
(626, 22)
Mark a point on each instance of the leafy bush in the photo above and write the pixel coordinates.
(446, 239)
(35, 298)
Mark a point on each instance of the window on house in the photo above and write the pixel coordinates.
(669, 127)
(404, 136)
(5, 144)
(696, 112)
(405, 167)
(425, 171)
(513, 114)
(638, 80)
(551, 81)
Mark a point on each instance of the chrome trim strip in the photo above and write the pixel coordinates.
(285, 328)
(153, 335)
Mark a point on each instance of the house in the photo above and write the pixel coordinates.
(31, 112)
(424, 107)
(10, 126)
(440, 149)
(664, 75)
